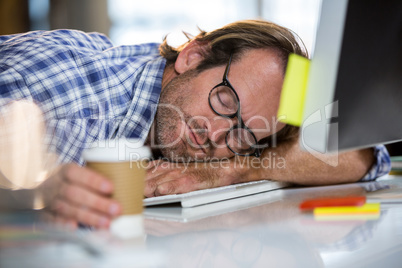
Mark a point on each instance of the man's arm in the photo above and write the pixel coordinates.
(286, 162)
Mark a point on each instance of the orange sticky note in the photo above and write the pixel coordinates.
(333, 202)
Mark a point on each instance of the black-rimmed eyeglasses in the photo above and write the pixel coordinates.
(225, 102)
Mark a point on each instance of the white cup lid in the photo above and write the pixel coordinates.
(119, 150)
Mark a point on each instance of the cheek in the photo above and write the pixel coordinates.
(263, 127)
(192, 103)
(198, 97)
(199, 104)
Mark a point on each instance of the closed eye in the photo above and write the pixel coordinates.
(227, 101)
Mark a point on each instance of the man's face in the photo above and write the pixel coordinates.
(186, 128)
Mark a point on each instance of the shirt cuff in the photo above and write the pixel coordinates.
(381, 167)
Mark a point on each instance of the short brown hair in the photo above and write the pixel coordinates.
(235, 38)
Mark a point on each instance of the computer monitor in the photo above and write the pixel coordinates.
(354, 91)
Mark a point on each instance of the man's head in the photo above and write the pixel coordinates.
(190, 124)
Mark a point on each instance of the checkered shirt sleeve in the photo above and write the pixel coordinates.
(382, 165)
(87, 89)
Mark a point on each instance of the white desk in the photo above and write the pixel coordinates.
(269, 233)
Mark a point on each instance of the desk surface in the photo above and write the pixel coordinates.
(245, 233)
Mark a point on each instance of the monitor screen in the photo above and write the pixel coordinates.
(354, 91)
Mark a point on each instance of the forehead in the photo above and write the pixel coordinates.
(257, 78)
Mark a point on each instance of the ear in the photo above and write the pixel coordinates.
(189, 57)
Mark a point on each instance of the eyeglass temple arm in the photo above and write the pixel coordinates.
(225, 75)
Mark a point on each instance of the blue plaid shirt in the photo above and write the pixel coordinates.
(87, 88)
(382, 165)
(90, 90)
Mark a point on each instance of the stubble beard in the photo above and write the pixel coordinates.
(168, 118)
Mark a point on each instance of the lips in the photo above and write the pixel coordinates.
(194, 138)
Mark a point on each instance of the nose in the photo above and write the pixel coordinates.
(218, 128)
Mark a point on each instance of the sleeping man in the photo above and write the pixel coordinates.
(212, 100)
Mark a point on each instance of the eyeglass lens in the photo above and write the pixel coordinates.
(241, 141)
(223, 101)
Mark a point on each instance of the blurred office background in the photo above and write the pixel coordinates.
(138, 21)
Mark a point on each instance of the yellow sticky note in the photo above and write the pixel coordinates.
(368, 208)
(357, 217)
(293, 94)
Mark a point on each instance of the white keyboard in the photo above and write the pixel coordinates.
(207, 196)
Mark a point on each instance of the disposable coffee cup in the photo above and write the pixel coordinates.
(124, 162)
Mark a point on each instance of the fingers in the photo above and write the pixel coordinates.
(84, 197)
(173, 182)
(177, 186)
(88, 178)
(165, 179)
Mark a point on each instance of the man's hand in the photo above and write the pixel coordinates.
(165, 178)
(83, 197)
